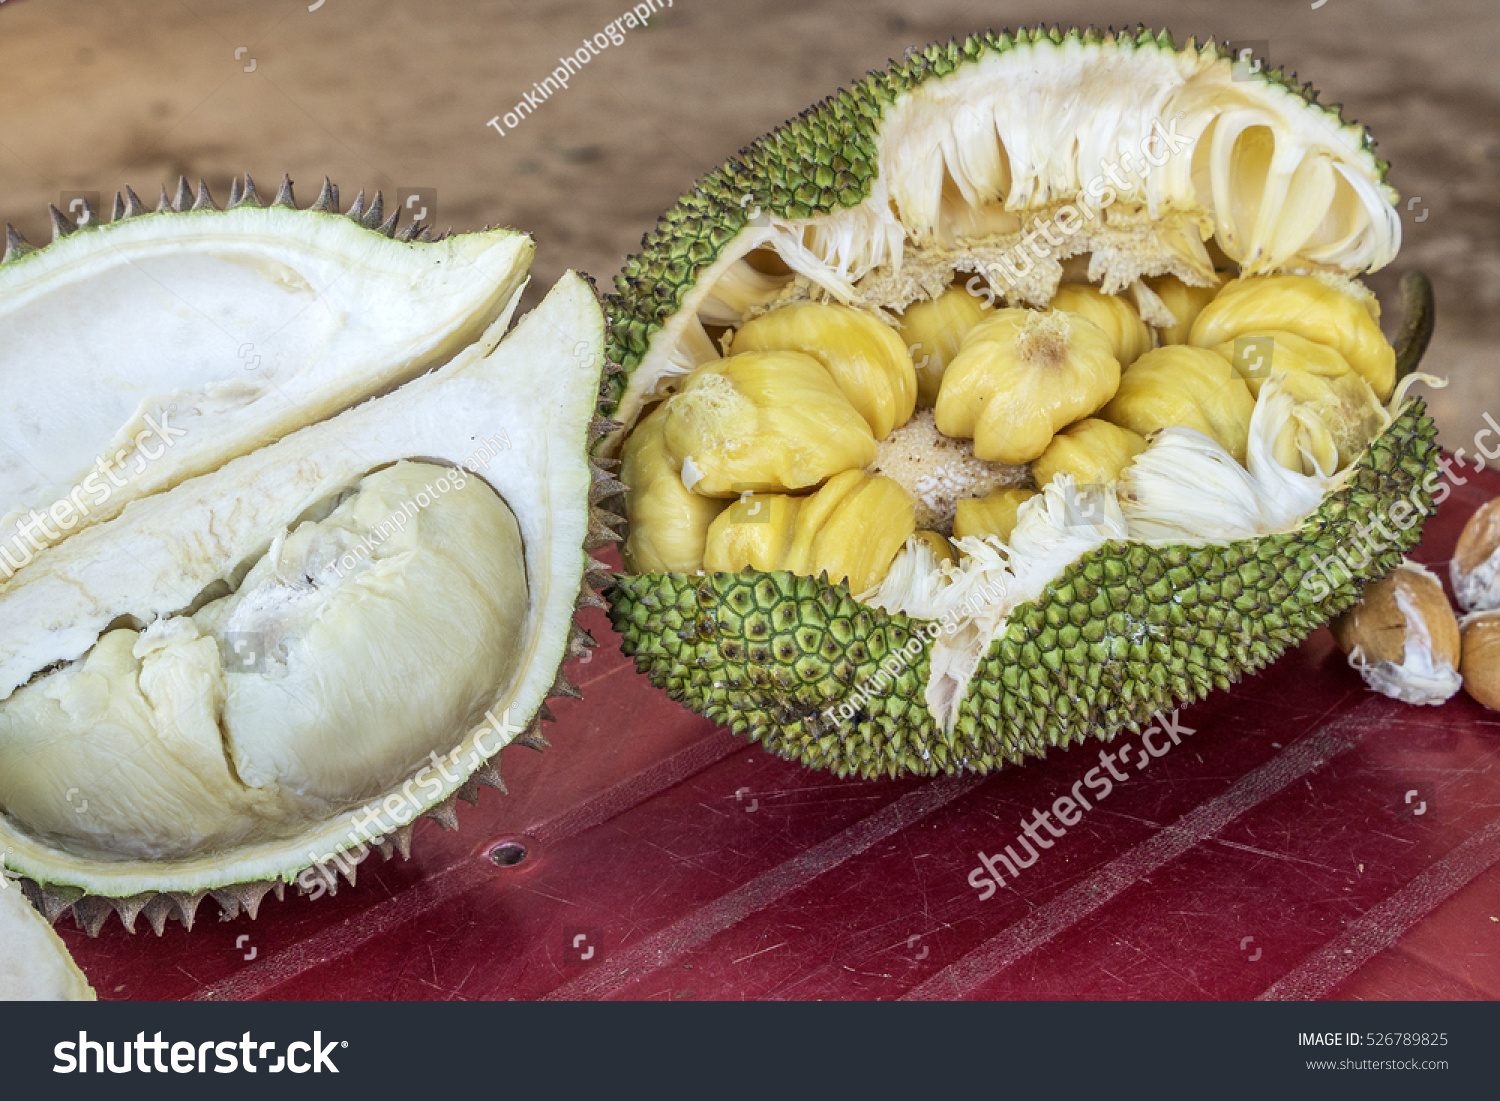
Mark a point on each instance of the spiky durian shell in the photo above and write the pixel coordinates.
(768, 655)
(56, 897)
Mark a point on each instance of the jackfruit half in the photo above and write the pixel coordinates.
(1186, 204)
(324, 589)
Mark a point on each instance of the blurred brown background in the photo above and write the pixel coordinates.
(95, 95)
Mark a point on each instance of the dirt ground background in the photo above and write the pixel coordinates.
(96, 94)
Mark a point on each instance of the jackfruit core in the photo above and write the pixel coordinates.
(357, 645)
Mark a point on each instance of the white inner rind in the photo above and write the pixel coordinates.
(171, 343)
(34, 963)
(972, 162)
(152, 561)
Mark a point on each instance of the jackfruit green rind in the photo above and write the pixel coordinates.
(1126, 630)
(825, 160)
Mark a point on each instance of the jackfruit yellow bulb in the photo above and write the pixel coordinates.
(1319, 380)
(1128, 334)
(864, 356)
(1324, 310)
(763, 422)
(851, 529)
(1092, 451)
(1191, 387)
(668, 522)
(1255, 355)
(934, 330)
(752, 533)
(1020, 376)
(994, 514)
(1185, 302)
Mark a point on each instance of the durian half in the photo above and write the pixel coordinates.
(1004, 165)
(318, 593)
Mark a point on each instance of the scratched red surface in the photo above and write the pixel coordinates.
(1273, 854)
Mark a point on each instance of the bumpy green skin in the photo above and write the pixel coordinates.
(820, 162)
(1124, 631)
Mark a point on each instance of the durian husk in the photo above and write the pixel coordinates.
(55, 899)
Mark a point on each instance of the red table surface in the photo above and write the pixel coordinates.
(1273, 854)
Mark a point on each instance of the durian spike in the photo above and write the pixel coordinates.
(53, 902)
(409, 231)
(403, 841)
(445, 814)
(133, 204)
(602, 426)
(118, 213)
(489, 776)
(62, 225)
(156, 913)
(532, 737)
(469, 792)
(604, 484)
(327, 201)
(204, 200)
(356, 212)
(16, 246)
(600, 533)
(376, 214)
(164, 204)
(187, 906)
(129, 909)
(91, 913)
(234, 193)
(184, 197)
(580, 641)
(250, 196)
(388, 227)
(284, 195)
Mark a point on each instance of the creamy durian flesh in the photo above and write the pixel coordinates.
(1097, 361)
(333, 612)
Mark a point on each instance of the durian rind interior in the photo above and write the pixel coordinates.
(174, 342)
(299, 652)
